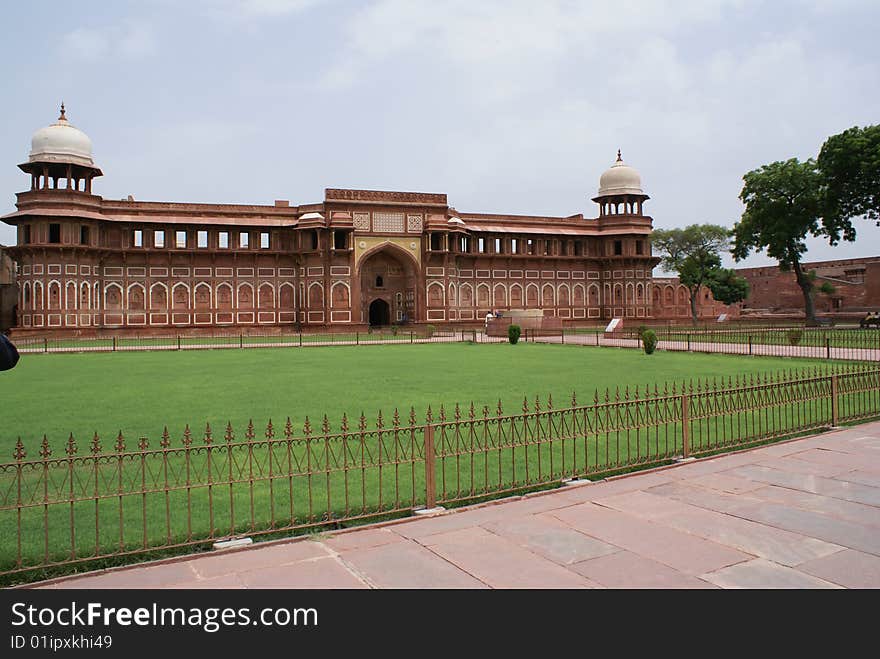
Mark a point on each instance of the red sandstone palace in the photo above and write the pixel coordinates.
(357, 258)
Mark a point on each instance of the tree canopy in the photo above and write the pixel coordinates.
(784, 203)
(849, 164)
(693, 252)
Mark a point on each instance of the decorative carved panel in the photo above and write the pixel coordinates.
(388, 222)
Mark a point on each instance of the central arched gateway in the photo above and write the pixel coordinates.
(388, 287)
(380, 314)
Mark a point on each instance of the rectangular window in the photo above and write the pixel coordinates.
(514, 245)
(340, 240)
(578, 248)
(202, 239)
(83, 235)
(180, 239)
(498, 249)
(264, 240)
(530, 246)
(640, 249)
(138, 238)
(464, 244)
(223, 238)
(435, 242)
(26, 238)
(158, 239)
(54, 233)
(618, 247)
(314, 233)
(244, 239)
(481, 245)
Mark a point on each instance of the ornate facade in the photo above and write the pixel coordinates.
(357, 258)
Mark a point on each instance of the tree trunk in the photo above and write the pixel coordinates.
(806, 286)
(694, 293)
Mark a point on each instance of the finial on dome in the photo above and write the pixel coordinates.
(619, 157)
(62, 117)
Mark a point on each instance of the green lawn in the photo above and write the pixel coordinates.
(140, 393)
(131, 501)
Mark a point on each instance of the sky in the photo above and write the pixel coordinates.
(507, 106)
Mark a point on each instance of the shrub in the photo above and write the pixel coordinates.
(642, 330)
(649, 341)
(394, 330)
(429, 331)
(513, 332)
(794, 336)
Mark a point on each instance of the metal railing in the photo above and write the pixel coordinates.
(97, 501)
(242, 340)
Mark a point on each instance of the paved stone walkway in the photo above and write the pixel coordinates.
(801, 514)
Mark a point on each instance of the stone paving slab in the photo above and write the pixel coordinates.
(502, 564)
(407, 565)
(681, 551)
(849, 568)
(627, 570)
(761, 573)
(780, 546)
(321, 573)
(815, 484)
(803, 514)
(870, 478)
(794, 464)
(853, 512)
(550, 538)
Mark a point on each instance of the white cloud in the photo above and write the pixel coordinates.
(275, 7)
(131, 40)
(84, 43)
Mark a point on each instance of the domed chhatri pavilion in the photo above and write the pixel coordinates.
(357, 258)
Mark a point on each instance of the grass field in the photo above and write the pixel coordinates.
(133, 502)
(140, 393)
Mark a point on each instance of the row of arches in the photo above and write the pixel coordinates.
(534, 296)
(71, 295)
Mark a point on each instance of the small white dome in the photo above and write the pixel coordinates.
(61, 142)
(620, 179)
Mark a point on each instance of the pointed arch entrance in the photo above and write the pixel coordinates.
(380, 313)
(388, 281)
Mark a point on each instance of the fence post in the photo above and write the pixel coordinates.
(828, 352)
(689, 341)
(45, 344)
(474, 337)
(834, 411)
(562, 332)
(430, 484)
(357, 338)
(300, 339)
(685, 427)
(410, 336)
(750, 344)
(114, 344)
(178, 342)
(241, 340)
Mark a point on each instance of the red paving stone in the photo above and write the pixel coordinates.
(802, 514)
(627, 570)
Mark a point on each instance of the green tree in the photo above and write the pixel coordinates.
(849, 163)
(728, 287)
(783, 206)
(692, 252)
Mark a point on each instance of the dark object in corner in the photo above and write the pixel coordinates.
(8, 354)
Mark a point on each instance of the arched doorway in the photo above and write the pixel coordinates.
(380, 313)
(388, 276)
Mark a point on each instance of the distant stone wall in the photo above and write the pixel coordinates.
(856, 283)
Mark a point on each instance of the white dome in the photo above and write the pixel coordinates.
(63, 143)
(620, 179)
